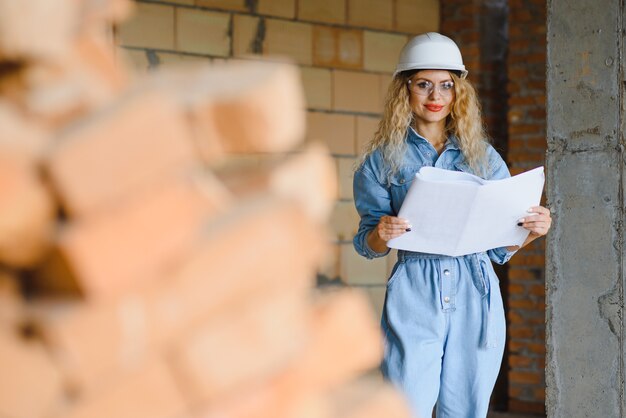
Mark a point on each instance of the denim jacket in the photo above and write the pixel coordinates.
(376, 194)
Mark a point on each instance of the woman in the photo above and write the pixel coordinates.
(443, 318)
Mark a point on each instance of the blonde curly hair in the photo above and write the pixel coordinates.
(464, 122)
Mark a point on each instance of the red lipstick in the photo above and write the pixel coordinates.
(433, 107)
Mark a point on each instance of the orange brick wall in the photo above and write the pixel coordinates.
(346, 50)
(527, 146)
(503, 44)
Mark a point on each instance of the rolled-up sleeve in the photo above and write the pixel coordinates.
(499, 255)
(372, 201)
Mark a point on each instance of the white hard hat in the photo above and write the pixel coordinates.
(431, 51)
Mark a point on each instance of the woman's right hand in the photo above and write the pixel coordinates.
(391, 227)
(388, 227)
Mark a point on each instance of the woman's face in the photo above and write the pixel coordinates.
(431, 95)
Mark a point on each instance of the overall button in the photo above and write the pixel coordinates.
(446, 272)
(446, 299)
(401, 181)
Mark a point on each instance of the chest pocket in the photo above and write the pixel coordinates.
(463, 166)
(399, 184)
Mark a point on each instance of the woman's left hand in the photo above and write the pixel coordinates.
(538, 221)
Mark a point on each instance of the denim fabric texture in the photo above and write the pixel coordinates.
(443, 318)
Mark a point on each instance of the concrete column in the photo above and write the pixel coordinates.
(585, 250)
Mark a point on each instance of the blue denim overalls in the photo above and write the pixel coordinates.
(443, 318)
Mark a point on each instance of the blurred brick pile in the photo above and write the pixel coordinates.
(145, 271)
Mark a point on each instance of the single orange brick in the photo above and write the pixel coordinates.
(131, 244)
(525, 377)
(267, 112)
(249, 106)
(246, 344)
(516, 288)
(516, 361)
(118, 151)
(516, 331)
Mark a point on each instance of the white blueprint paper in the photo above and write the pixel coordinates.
(455, 213)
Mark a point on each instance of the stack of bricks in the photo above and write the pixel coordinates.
(527, 145)
(145, 270)
(346, 51)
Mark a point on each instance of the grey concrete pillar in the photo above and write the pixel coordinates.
(585, 178)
